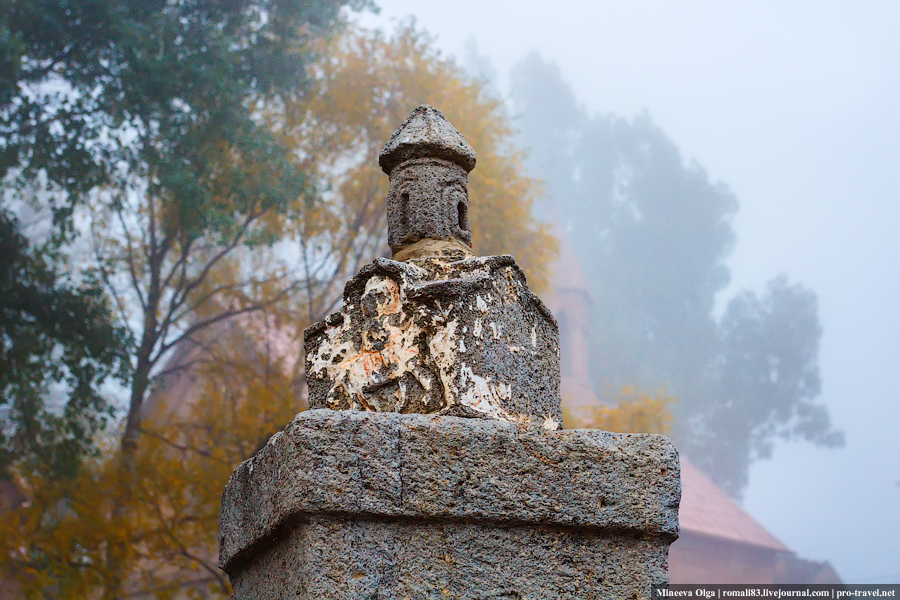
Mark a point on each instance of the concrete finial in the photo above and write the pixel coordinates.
(427, 161)
(426, 133)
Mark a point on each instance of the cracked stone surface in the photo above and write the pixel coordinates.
(330, 556)
(347, 504)
(431, 464)
(447, 334)
(438, 330)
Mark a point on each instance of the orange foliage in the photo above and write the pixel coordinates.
(57, 542)
(159, 515)
(363, 90)
(635, 412)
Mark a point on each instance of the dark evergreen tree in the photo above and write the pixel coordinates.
(767, 378)
(55, 341)
(652, 235)
(92, 91)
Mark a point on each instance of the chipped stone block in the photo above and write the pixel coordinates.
(463, 337)
(347, 504)
(331, 556)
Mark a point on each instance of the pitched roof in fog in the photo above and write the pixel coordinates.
(706, 509)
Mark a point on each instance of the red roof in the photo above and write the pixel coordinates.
(707, 510)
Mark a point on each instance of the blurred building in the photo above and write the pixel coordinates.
(570, 301)
(719, 541)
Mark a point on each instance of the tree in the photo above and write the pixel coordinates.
(366, 87)
(135, 117)
(132, 125)
(549, 118)
(40, 318)
(56, 544)
(233, 382)
(653, 234)
(768, 377)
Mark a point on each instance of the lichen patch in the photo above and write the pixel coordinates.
(484, 396)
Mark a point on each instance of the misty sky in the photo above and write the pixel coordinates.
(796, 107)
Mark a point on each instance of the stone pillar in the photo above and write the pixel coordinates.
(432, 464)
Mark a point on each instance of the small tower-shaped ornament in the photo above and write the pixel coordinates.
(427, 161)
(436, 329)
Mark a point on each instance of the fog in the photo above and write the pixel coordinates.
(794, 107)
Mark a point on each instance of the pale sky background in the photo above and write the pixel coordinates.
(795, 105)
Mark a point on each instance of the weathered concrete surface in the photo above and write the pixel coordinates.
(347, 504)
(446, 334)
(328, 557)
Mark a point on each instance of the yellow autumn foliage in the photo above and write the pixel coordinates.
(363, 90)
(634, 412)
(56, 544)
(243, 382)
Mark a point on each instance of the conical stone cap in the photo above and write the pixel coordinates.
(426, 133)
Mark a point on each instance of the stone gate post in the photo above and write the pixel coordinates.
(431, 464)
